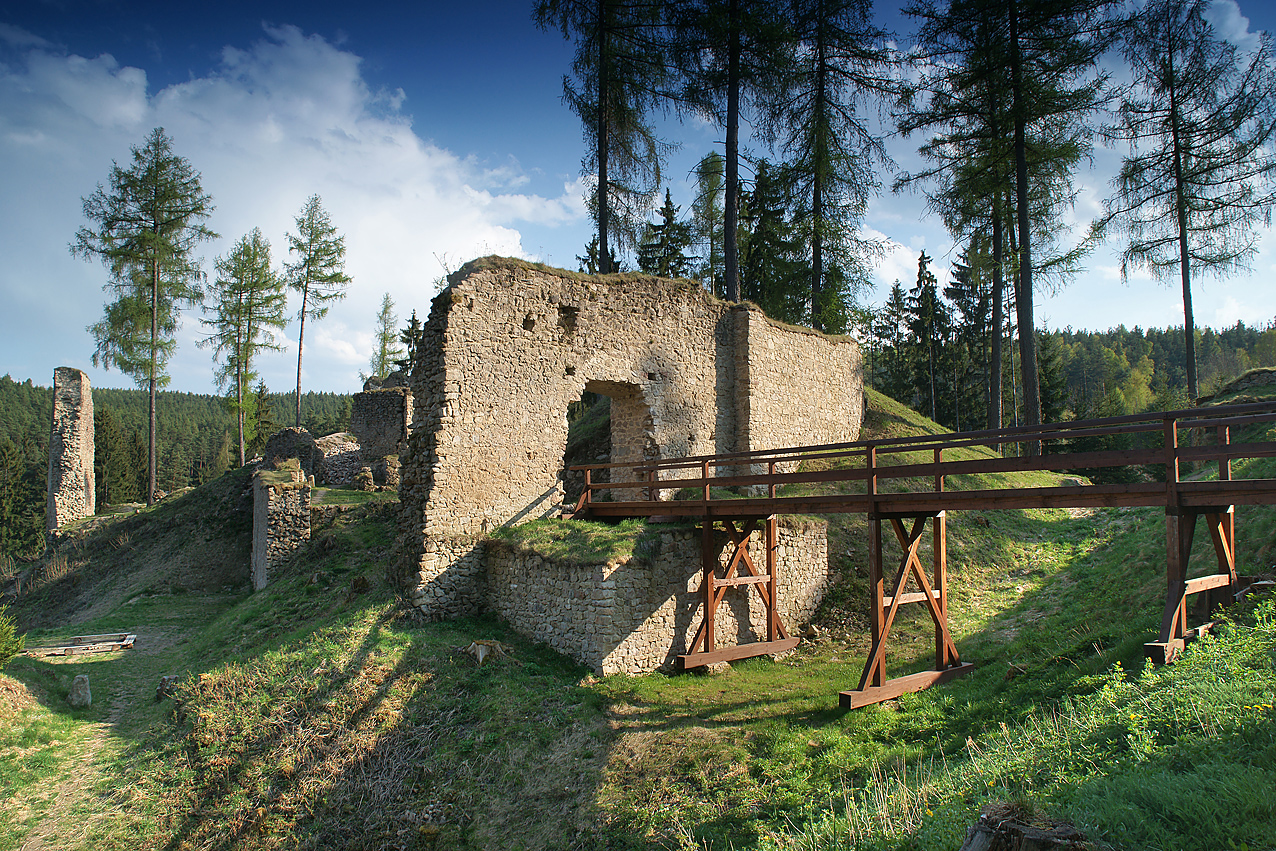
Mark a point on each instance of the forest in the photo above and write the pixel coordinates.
(195, 436)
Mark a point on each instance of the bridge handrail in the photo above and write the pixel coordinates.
(1160, 423)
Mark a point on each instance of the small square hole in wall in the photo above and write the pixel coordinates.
(567, 317)
(528, 322)
(653, 376)
(571, 370)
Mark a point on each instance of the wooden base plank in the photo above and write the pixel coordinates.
(740, 651)
(892, 689)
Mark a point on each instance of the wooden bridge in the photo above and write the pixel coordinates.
(745, 489)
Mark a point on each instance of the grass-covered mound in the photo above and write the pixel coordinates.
(319, 713)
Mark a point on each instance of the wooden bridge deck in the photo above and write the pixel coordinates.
(755, 487)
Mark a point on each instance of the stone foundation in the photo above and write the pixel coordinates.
(638, 615)
(71, 484)
(281, 520)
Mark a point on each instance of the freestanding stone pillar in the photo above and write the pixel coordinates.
(70, 449)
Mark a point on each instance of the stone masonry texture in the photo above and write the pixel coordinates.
(637, 615)
(509, 345)
(281, 520)
(71, 483)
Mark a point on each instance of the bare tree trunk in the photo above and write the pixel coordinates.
(603, 196)
(998, 299)
(1185, 256)
(152, 454)
(1023, 287)
(301, 336)
(732, 259)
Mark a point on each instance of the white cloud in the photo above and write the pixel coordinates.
(1231, 25)
(273, 123)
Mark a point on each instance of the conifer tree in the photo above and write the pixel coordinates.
(772, 268)
(619, 71)
(318, 273)
(707, 220)
(1201, 173)
(144, 230)
(662, 249)
(387, 340)
(248, 307)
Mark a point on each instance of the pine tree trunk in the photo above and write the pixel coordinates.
(1023, 286)
(733, 156)
(602, 197)
(817, 188)
(1185, 256)
(152, 454)
(301, 336)
(998, 299)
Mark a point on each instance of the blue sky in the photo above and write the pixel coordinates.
(433, 132)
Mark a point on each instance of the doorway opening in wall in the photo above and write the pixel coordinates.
(588, 440)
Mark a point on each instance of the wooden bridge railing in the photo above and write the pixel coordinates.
(747, 485)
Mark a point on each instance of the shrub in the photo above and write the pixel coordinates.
(11, 643)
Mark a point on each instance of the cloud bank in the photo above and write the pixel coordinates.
(268, 126)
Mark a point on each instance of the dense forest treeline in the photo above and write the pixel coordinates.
(196, 433)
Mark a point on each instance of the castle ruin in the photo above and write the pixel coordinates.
(70, 482)
(509, 345)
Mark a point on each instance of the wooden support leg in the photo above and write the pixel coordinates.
(877, 676)
(943, 658)
(1179, 529)
(709, 565)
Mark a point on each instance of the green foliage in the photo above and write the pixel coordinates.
(662, 248)
(618, 70)
(1201, 176)
(773, 272)
(22, 498)
(248, 308)
(707, 221)
(318, 272)
(11, 643)
(387, 352)
(145, 231)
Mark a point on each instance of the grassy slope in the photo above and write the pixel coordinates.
(316, 714)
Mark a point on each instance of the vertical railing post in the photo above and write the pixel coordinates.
(704, 474)
(589, 494)
(770, 471)
(939, 550)
(1174, 619)
(709, 562)
(876, 592)
(773, 585)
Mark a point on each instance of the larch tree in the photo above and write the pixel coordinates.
(248, 307)
(618, 75)
(833, 157)
(731, 55)
(1201, 173)
(707, 219)
(318, 273)
(144, 229)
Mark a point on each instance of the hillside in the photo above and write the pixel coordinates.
(321, 714)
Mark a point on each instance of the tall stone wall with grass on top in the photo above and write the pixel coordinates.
(636, 615)
(70, 483)
(509, 346)
(281, 520)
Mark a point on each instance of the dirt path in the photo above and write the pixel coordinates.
(64, 825)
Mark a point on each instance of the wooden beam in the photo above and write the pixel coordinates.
(892, 689)
(740, 651)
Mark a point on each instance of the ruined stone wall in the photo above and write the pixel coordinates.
(795, 387)
(70, 483)
(508, 346)
(638, 615)
(281, 520)
(379, 420)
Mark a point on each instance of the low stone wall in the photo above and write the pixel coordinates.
(638, 615)
(281, 520)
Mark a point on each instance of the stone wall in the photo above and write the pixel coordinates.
(281, 520)
(509, 345)
(639, 614)
(379, 420)
(71, 484)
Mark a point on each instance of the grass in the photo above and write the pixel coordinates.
(319, 713)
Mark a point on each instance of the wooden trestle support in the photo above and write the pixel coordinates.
(713, 590)
(1180, 528)
(873, 686)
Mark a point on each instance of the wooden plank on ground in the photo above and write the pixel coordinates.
(892, 689)
(740, 651)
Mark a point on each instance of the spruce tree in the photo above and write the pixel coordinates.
(662, 251)
(386, 338)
